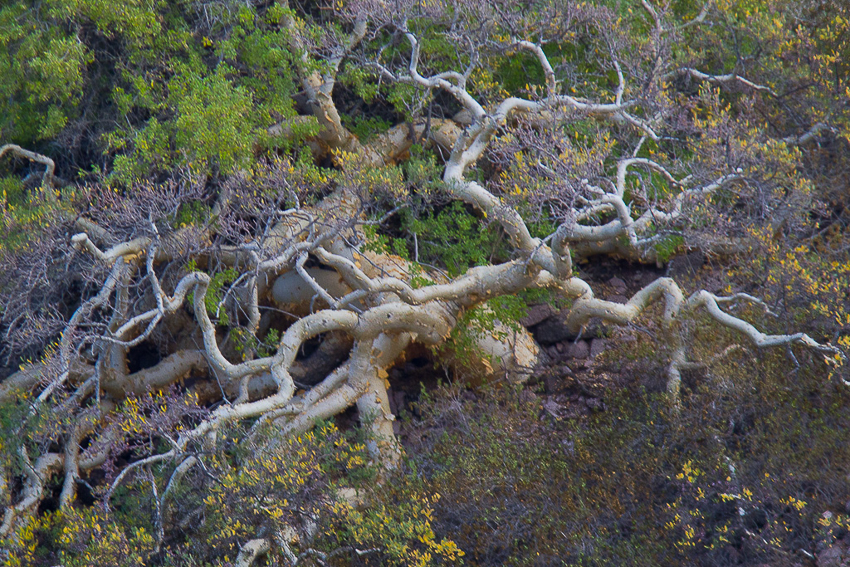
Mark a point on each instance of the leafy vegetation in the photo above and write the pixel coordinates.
(239, 241)
(739, 478)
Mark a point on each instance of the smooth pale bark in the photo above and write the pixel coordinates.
(316, 270)
(48, 179)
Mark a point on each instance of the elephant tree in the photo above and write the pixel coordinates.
(565, 131)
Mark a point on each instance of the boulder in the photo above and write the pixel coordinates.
(597, 346)
(619, 285)
(835, 556)
(551, 330)
(537, 314)
(578, 349)
(554, 330)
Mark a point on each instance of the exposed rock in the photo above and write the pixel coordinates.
(553, 375)
(553, 408)
(509, 353)
(550, 383)
(686, 265)
(551, 330)
(397, 401)
(463, 117)
(291, 289)
(554, 330)
(528, 396)
(835, 556)
(618, 299)
(597, 346)
(578, 349)
(619, 285)
(537, 314)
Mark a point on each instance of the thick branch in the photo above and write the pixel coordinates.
(49, 166)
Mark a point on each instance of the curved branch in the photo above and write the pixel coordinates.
(319, 88)
(168, 371)
(49, 165)
(720, 79)
(811, 134)
(709, 301)
(35, 477)
(537, 50)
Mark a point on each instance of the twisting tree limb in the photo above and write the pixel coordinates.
(721, 79)
(48, 178)
(306, 273)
